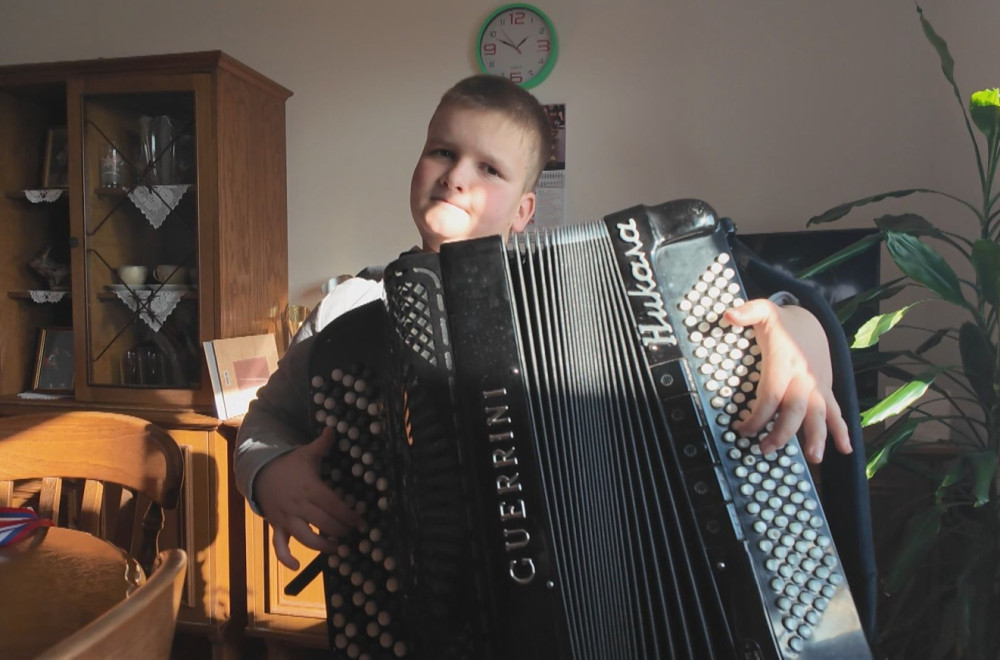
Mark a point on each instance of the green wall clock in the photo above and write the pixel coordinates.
(517, 41)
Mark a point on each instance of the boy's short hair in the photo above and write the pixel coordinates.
(489, 92)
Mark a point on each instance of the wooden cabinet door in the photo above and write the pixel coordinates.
(271, 614)
(136, 236)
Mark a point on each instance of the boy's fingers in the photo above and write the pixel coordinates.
(837, 426)
(814, 429)
(332, 524)
(762, 409)
(751, 313)
(329, 504)
(321, 446)
(279, 539)
(792, 411)
(345, 514)
(304, 534)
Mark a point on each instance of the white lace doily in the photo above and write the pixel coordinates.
(157, 202)
(40, 296)
(157, 306)
(43, 195)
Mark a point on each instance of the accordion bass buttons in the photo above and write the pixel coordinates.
(706, 484)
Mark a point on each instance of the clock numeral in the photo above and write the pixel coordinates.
(544, 45)
(490, 49)
(517, 18)
(515, 76)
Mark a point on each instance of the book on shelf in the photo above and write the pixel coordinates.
(238, 366)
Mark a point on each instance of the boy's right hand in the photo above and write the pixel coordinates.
(296, 501)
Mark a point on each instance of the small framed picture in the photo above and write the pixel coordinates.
(54, 364)
(56, 172)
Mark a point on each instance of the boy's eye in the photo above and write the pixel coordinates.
(443, 153)
(492, 171)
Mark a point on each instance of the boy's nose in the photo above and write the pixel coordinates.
(455, 177)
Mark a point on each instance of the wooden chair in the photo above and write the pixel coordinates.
(107, 451)
(141, 626)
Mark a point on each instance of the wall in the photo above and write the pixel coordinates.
(771, 111)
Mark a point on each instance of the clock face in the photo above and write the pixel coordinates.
(518, 42)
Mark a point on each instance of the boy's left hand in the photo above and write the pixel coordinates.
(795, 379)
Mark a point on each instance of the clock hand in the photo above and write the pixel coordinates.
(518, 46)
(509, 42)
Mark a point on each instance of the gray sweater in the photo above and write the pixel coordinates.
(278, 421)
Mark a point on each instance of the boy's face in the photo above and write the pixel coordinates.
(471, 177)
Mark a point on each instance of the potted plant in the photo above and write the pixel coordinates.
(954, 535)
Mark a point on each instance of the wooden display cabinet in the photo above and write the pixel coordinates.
(200, 185)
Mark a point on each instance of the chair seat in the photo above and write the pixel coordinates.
(140, 626)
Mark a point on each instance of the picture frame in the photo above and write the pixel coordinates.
(56, 171)
(54, 362)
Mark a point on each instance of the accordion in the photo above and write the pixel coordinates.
(538, 436)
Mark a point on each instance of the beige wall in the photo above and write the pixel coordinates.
(771, 111)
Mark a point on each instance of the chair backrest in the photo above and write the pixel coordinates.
(107, 451)
(141, 626)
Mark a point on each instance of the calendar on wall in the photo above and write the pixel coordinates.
(550, 193)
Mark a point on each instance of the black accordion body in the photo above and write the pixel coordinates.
(539, 438)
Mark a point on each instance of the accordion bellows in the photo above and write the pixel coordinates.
(539, 438)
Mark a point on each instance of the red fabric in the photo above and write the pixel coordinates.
(19, 523)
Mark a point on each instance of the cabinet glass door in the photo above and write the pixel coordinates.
(140, 238)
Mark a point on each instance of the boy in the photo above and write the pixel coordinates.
(487, 143)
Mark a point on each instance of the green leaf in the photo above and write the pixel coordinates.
(953, 476)
(838, 212)
(923, 264)
(846, 308)
(900, 434)
(881, 292)
(901, 399)
(932, 341)
(907, 223)
(986, 260)
(984, 466)
(948, 68)
(841, 256)
(921, 530)
(873, 359)
(941, 46)
(981, 466)
(869, 333)
(978, 361)
(898, 373)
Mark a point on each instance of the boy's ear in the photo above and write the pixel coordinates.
(525, 211)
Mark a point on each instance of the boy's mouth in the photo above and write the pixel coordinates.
(444, 200)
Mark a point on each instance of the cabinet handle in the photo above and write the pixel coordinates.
(74, 241)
